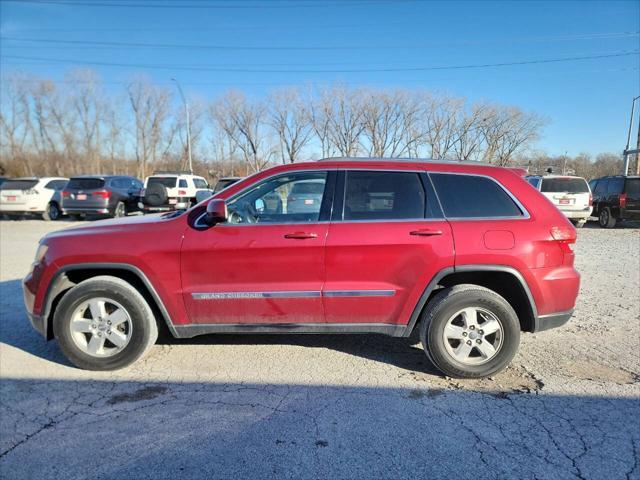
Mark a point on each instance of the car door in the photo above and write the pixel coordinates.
(386, 241)
(265, 265)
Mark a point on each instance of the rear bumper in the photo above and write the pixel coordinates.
(89, 210)
(586, 213)
(553, 320)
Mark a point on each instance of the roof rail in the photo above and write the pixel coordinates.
(403, 159)
(173, 172)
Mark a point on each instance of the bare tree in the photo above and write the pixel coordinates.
(150, 107)
(320, 108)
(291, 120)
(387, 117)
(345, 120)
(14, 123)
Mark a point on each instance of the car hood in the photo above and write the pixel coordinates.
(113, 226)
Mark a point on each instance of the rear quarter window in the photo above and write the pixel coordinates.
(473, 196)
(568, 185)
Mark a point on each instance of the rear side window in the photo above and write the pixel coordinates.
(18, 184)
(601, 186)
(86, 183)
(120, 183)
(633, 187)
(615, 185)
(200, 183)
(169, 182)
(383, 196)
(569, 185)
(472, 196)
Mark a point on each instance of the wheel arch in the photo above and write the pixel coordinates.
(70, 275)
(504, 280)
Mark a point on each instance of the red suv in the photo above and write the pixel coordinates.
(469, 254)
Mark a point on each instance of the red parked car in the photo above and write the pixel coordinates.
(469, 254)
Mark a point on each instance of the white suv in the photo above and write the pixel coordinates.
(571, 195)
(33, 196)
(164, 191)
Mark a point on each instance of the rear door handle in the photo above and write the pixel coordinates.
(301, 235)
(426, 232)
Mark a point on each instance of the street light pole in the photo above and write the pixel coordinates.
(626, 150)
(186, 111)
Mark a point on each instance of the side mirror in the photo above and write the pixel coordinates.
(216, 212)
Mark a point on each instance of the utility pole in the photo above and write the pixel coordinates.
(186, 111)
(628, 152)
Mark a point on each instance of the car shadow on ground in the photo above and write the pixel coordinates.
(130, 429)
(403, 353)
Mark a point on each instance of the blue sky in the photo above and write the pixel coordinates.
(587, 101)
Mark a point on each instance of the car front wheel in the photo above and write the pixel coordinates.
(104, 324)
(469, 331)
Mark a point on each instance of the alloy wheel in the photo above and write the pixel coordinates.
(473, 336)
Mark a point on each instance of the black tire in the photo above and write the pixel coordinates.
(606, 218)
(444, 305)
(144, 328)
(52, 212)
(120, 210)
(155, 195)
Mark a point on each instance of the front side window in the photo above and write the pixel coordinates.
(473, 196)
(383, 196)
(292, 198)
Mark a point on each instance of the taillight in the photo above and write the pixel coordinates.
(590, 200)
(565, 237)
(66, 194)
(182, 192)
(623, 200)
(102, 193)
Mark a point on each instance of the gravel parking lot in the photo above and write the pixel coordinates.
(348, 406)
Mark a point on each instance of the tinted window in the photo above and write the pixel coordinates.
(615, 185)
(169, 182)
(86, 183)
(471, 196)
(535, 181)
(56, 184)
(200, 183)
(601, 186)
(383, 196)
(18, 184)
(633, 187)
(120, 183)
(271, 201)
(182, 183)
(569, 185)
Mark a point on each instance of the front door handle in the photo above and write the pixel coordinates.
(426, 232)
(301, 235)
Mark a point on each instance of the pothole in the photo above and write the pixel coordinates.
(145, 393)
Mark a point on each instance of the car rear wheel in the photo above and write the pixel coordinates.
(606, 219)
(104, 324)
(52, 212)
(120, 210)
(469, 331)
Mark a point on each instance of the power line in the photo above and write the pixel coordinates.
(363, 70)
(218, 6)
(96, 43)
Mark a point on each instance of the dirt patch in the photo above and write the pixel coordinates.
(145, 393)
(589, 370)
(514, 380)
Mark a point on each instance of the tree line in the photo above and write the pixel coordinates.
(76, 126)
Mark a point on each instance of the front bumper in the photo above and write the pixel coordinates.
(38, 322)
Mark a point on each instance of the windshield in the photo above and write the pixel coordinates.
(18, 184)
(85, 183)
(169, 182)
(565, 184)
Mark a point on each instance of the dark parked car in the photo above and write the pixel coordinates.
(615, 198)
(112, 195)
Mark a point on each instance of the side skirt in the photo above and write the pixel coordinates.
(189, 331)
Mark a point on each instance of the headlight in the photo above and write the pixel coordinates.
(42, 251)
